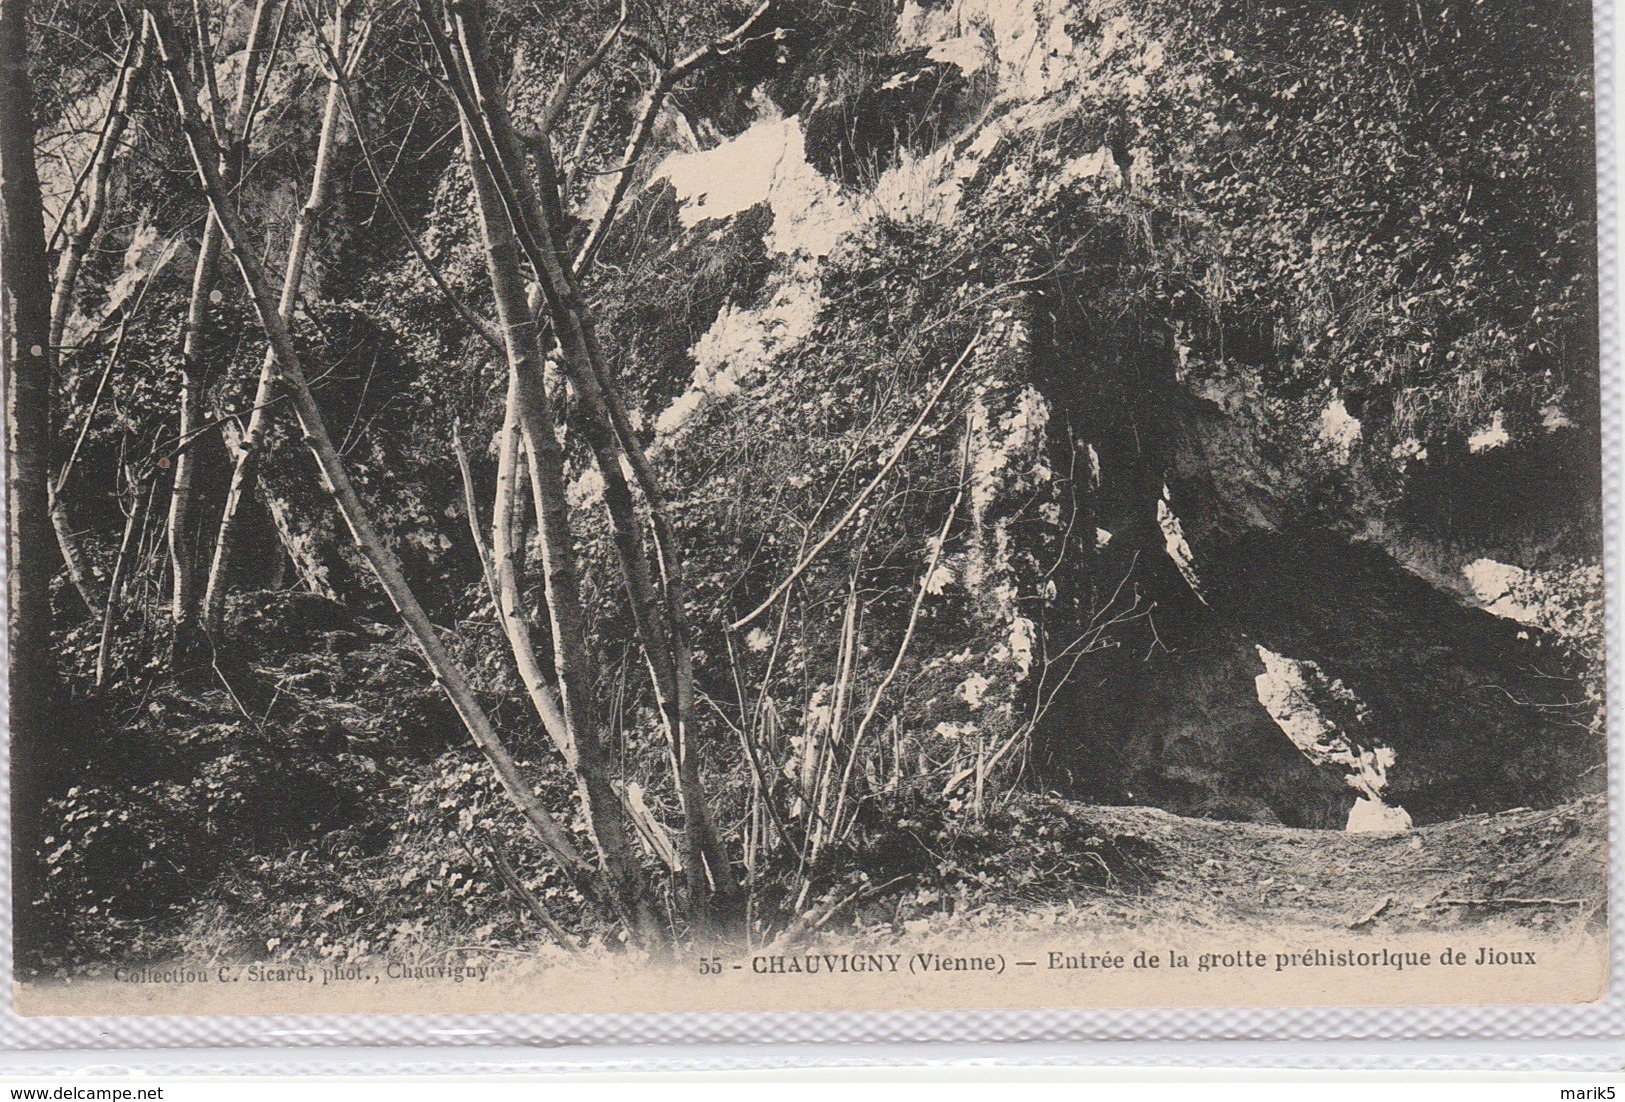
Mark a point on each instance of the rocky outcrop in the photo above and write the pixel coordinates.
(1200, 568)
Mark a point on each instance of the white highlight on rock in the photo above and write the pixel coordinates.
(1369, 816)
(1100, 165)
(1339, 429)
(765, 164)
(586, 489)
(741, 342)
(1174, 542)
(967, 52)
(143, 257)
(973, 690)
(1016, 434)
(1283, 690)
(1492, 436)
(923, 187)
(1040, 73)
(1023, 633)
(1494, 585)
(1029, 37)
(1287, 689)
(1102, 538)
(1409, 448)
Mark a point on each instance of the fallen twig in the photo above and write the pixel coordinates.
(528, 897)
(1371, 915)
(815, 920)
(1511, 901)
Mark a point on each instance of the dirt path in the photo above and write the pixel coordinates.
(1544, 870)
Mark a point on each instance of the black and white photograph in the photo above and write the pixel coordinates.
(612, 505)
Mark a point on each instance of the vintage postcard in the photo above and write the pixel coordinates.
(613, 505)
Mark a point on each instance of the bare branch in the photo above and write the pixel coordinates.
(113, 120)
(637, 143)
(205, 55)
(453, 680)
(572, 80)
(634, 152)
(245, 466)
(494, 144)
(908, 632)
(270, 60)
(482, 327)
(471, 505)
(505, 868)
(107, 371)
(857, 503)
(141, 505)
(227, 157)
(720, 47)
(578, 155)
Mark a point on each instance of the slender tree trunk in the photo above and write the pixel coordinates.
(450, 675)
(194, 368)
(81, 575)
(246, 468)
(571, 717)
(509, 584)
(304, 554)
(30, 545)
(140, 501)
(303, 551)
(186, 599)
(707, 866)
(98, 177)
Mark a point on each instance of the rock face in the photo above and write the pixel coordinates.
(1212, 549)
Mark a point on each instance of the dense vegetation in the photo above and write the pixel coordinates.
(599, 543)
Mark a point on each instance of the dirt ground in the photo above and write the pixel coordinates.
(1542, 870)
